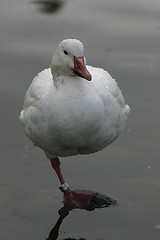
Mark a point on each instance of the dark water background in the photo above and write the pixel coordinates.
(124, 38)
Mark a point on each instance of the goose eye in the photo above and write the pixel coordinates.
(65, 52)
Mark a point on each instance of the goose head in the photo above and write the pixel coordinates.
(69, 60)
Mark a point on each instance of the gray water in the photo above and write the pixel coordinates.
(120, 36)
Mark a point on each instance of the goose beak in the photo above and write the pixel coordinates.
(80, 68)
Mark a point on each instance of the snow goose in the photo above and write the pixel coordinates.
(71, 108)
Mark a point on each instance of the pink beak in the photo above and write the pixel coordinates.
(80, 68)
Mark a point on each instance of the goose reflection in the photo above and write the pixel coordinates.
(98, 200)
(54, 233)
(49, 6)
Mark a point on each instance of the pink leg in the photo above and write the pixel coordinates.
(78, 199)
(56, 165)
(72, 199)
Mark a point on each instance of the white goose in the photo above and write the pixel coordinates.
(71, 109)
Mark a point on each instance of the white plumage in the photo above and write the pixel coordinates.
(64, 114)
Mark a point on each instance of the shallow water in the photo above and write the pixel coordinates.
(122, 37)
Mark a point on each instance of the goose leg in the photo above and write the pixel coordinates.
(56, 166)
(80, 199)
(72, 199)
